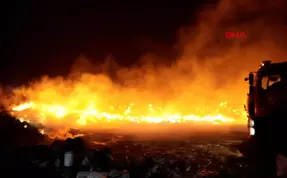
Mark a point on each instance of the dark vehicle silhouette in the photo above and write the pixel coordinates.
(267, 116)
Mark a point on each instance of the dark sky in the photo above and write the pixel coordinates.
(43, 38)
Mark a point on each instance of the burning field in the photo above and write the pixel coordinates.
(202, 88)
(201, 92)
(94, 103)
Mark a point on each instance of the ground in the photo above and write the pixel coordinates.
(209, 154)
(198, 154)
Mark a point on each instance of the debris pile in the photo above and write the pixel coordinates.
(122, 157)
(73, 158)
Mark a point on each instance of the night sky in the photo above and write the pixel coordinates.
(43, 38)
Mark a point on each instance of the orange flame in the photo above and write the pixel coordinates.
(60, 104)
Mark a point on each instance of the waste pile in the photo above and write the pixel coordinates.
(122, 157)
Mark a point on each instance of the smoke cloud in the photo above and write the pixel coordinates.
(209, 69)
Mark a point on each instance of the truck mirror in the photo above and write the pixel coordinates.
(274, 78)
(246, 79)
(251, 79)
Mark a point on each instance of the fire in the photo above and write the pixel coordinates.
(94, 101)
(90, 114)
(91, 117)
(81, 107)
(203, 85)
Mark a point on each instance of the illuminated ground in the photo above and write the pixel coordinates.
(202, 150)
(205, 152)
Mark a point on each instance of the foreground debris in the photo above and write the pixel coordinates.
(119, 157)
(75, 158)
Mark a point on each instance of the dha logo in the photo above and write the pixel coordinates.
(232, 35)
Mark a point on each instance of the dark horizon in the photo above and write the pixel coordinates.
(45, 39)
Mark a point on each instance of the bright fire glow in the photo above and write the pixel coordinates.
(82, 104)
(204, 84)
(91, 114)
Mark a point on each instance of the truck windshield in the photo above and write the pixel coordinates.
(268, 81)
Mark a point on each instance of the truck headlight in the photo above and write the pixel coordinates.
(251, 123)
(251, 131)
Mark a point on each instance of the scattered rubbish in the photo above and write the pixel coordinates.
(123, 157)
(68, 159)
(95, 174)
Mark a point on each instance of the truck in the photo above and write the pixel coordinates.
(266, 108)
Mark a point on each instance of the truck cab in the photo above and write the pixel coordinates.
(266, 108)
(267, 94)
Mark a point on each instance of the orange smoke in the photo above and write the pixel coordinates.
(204, 85)
(91, 101)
